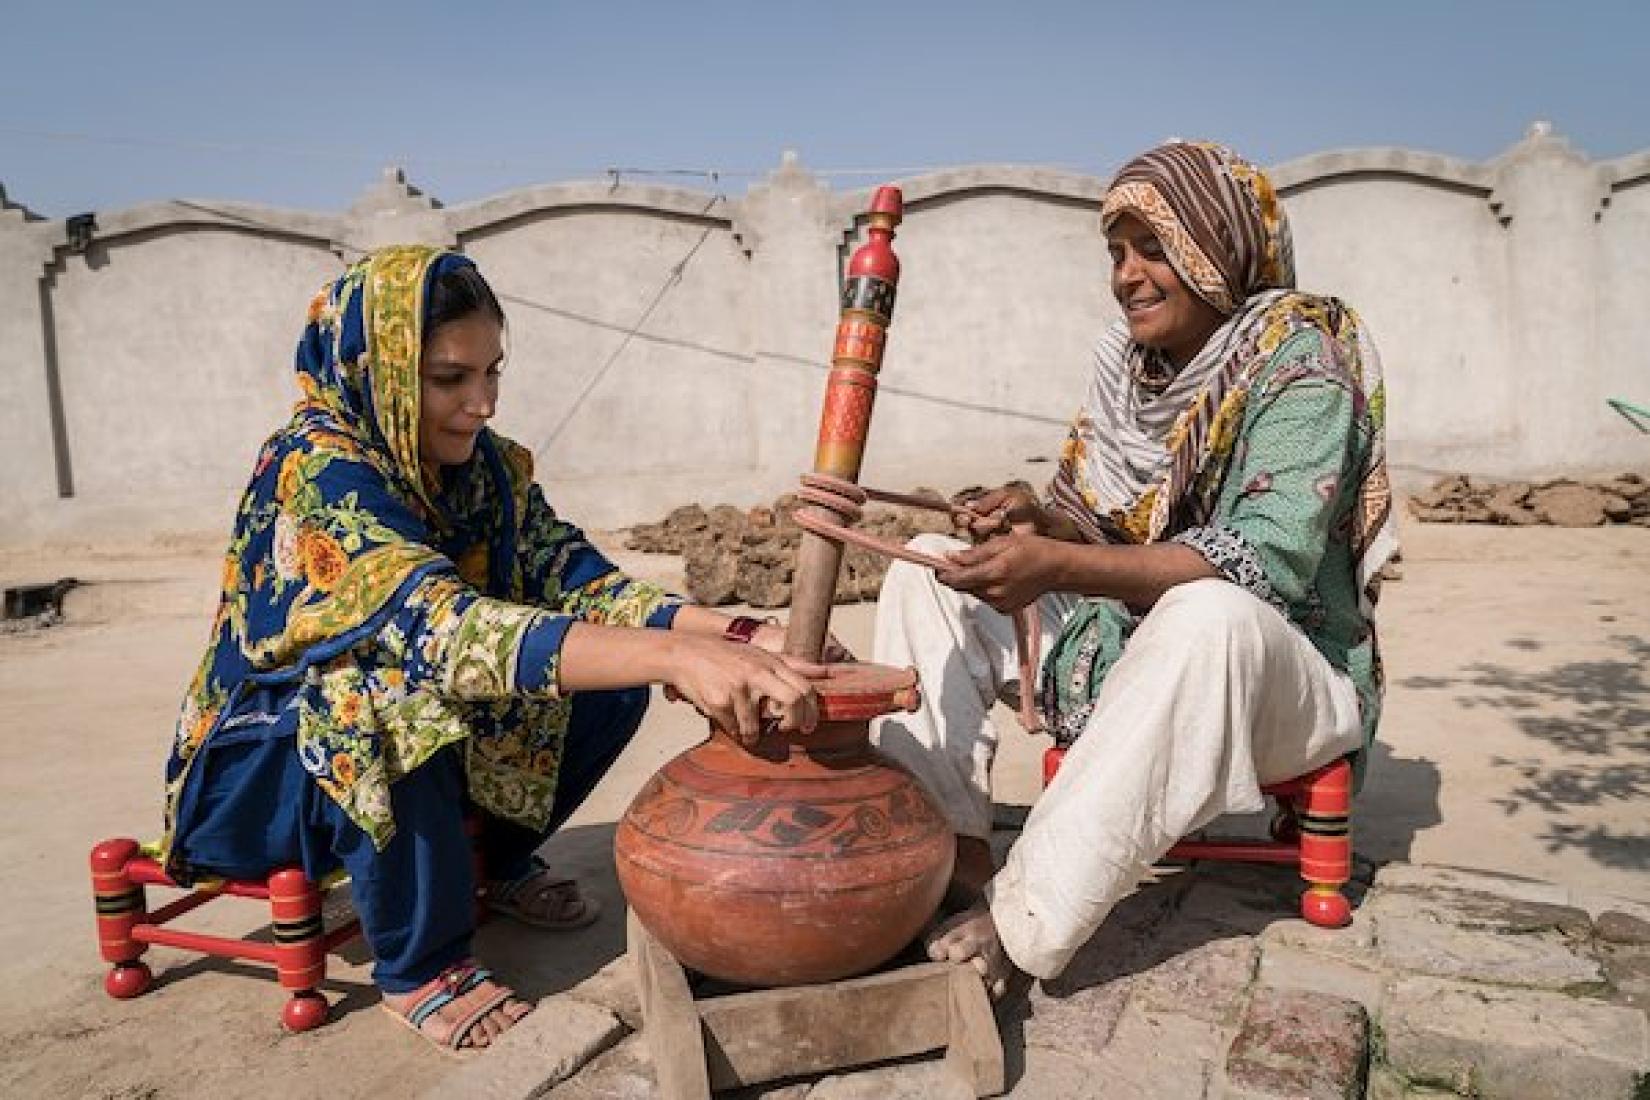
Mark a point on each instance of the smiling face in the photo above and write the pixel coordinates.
(1161, 310)
(458, 386)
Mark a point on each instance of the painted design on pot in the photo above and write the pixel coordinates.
(781, 826)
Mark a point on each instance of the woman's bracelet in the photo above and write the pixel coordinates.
(743, 628)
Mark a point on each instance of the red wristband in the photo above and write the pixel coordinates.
(743, 628)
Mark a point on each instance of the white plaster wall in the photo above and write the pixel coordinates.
(176, 353)
(675, 400)
(1001, 297)
(1424, 265)
(1624, 312)
(1508, 299)
(28, 467)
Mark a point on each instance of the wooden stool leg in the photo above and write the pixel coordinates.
(120, 906)
(1325, 815)
(1052, 758)
(300, 951)
(670, 1023)
(974, 1049)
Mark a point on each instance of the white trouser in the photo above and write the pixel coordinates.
(1215, 694)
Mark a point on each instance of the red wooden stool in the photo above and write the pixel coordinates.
(126, 927)
(1312, 830)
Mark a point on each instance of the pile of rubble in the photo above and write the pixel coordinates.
(735, 555)
(1560, 503)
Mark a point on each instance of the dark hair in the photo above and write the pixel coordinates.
(457, 293)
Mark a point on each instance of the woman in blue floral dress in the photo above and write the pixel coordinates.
(408, 632)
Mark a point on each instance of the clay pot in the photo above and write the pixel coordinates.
(803, 860)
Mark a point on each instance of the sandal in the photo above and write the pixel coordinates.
(449, 987)
(543, 901)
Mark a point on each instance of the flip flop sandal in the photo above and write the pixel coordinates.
(536, 886)
(453, 983)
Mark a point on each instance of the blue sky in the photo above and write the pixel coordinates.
(297, 104)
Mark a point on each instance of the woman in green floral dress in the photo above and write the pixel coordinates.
(1205, 566)
(408, 632)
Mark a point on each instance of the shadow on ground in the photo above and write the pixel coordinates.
(1398, 799)
(1596, 714)
(540, 963)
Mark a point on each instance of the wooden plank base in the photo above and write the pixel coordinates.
(748, 1038)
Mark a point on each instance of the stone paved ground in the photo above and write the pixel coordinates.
(1449, 982)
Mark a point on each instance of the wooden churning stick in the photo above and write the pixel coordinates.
(843, 499)
(831, 494)
(850, 391)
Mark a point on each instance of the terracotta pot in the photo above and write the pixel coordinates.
(805, 860)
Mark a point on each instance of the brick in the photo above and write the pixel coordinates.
(1161, 1055)
(549, 1045)
(1295, 1045)
(1599, 904)
(613, 987)
(1402, 876)
(1443, 951)
(1628, 971)
(1614, 926)
(1130, 932)
(1526, 1044)
(927, 1080)
(1384, 1084)
(1286, 967)
(622, 1073)
(1078, 1022)
(1050, 1076)
(1354, 944)
(1480, 909)
(1206, 980)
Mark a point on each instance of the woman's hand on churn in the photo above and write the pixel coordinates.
(743, 689)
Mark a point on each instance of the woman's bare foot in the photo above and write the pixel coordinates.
(971, 937)
(974, 868)
(460, 1009)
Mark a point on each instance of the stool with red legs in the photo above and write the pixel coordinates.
(1312, 831)
(126, 927)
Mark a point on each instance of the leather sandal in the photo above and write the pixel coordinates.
(449, 986)
(543, 901)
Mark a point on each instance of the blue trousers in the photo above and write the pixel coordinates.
(249, 807)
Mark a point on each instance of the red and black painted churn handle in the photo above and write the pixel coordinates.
(844, 424)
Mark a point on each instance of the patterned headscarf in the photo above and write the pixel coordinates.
(1216, 216)
(358, 358)
(1142, 460)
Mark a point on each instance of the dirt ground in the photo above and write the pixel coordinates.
(1517, 738)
